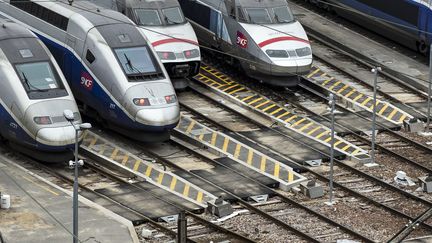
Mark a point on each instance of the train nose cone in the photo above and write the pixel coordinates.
(158, 117)
(57, 136)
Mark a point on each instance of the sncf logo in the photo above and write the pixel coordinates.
(242, 41)
(86, 80)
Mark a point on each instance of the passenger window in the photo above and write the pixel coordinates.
(240, 15)
(90, 57)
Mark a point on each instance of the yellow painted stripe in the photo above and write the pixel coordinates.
(346, 147)
(225, 144)
(313, 130)
(230, 87)
(125, 159)
(41, 186)
(237, 90)
(284, 114)
(334, 85)
(221, 85)
(199, 197)
(201, 136)
(237, 150)
(102, 150)
(213, 139)
(350, 93)
(137, 164)
(186, 190)
(92, 143)
(306, 126)
(358, 97)
(337, 143)
(313, 73)
(298, 122)
(254, 101)
(173, 183)
(160, 177)
(148, 171)
(191, 125)
(276, 111)
(343, 88)
(327, 140)
(328, 80)
(291, 118)
(265, 102)
(383, 109)
(323, 74)
(250, 156)
(366, 101)
(290, 176)
(402, 118)
(263, 163)
(356, 151)
(114, 153)
(269, 107)
(322, 134)
(276, 170)
(392, 114)
(244, 99)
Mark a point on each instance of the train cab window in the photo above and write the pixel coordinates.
(90, 57)
(258, 15)
(38, 77)
(173, 16)
(136, 61)
(148, 17)
(283, 15)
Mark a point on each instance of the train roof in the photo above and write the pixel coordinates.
(156, 4)
(12, 30)
(223, 5)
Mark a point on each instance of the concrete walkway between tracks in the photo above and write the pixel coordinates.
(42, 212)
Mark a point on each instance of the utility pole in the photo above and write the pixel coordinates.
(375, 71)
(332, 111)
(429, 90)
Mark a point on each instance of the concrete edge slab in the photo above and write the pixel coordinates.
(83, 200)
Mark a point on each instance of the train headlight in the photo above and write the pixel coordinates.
(277, 53)
(42, 120)
(305, 51)
(171, 98)
(141, 102)
(166, 55)
(191, 53)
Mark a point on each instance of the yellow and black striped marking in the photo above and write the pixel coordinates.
(150, 171)
(303, 125)
(240, 152)
(384, 109)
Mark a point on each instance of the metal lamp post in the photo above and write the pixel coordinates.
(68, 114)
(332, 111)
(375, 72)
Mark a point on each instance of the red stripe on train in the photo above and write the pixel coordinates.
(172, 40)
(283, 38)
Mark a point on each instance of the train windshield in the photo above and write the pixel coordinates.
(148, 17)
(283, 15)
(258, 15)
(136, 60)
(38, 77)
(173, 16)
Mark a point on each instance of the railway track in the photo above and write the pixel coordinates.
(389, 190)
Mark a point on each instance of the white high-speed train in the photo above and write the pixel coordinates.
(261, 35)
(33, 97)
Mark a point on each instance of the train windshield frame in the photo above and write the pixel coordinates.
(40, 80)
(148, 17)
(283, 15)
(173, 16)
(137, 61)
(258, 15)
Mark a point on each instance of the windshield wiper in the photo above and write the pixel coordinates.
(129, 63)
(168, 20)
(30, 86)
